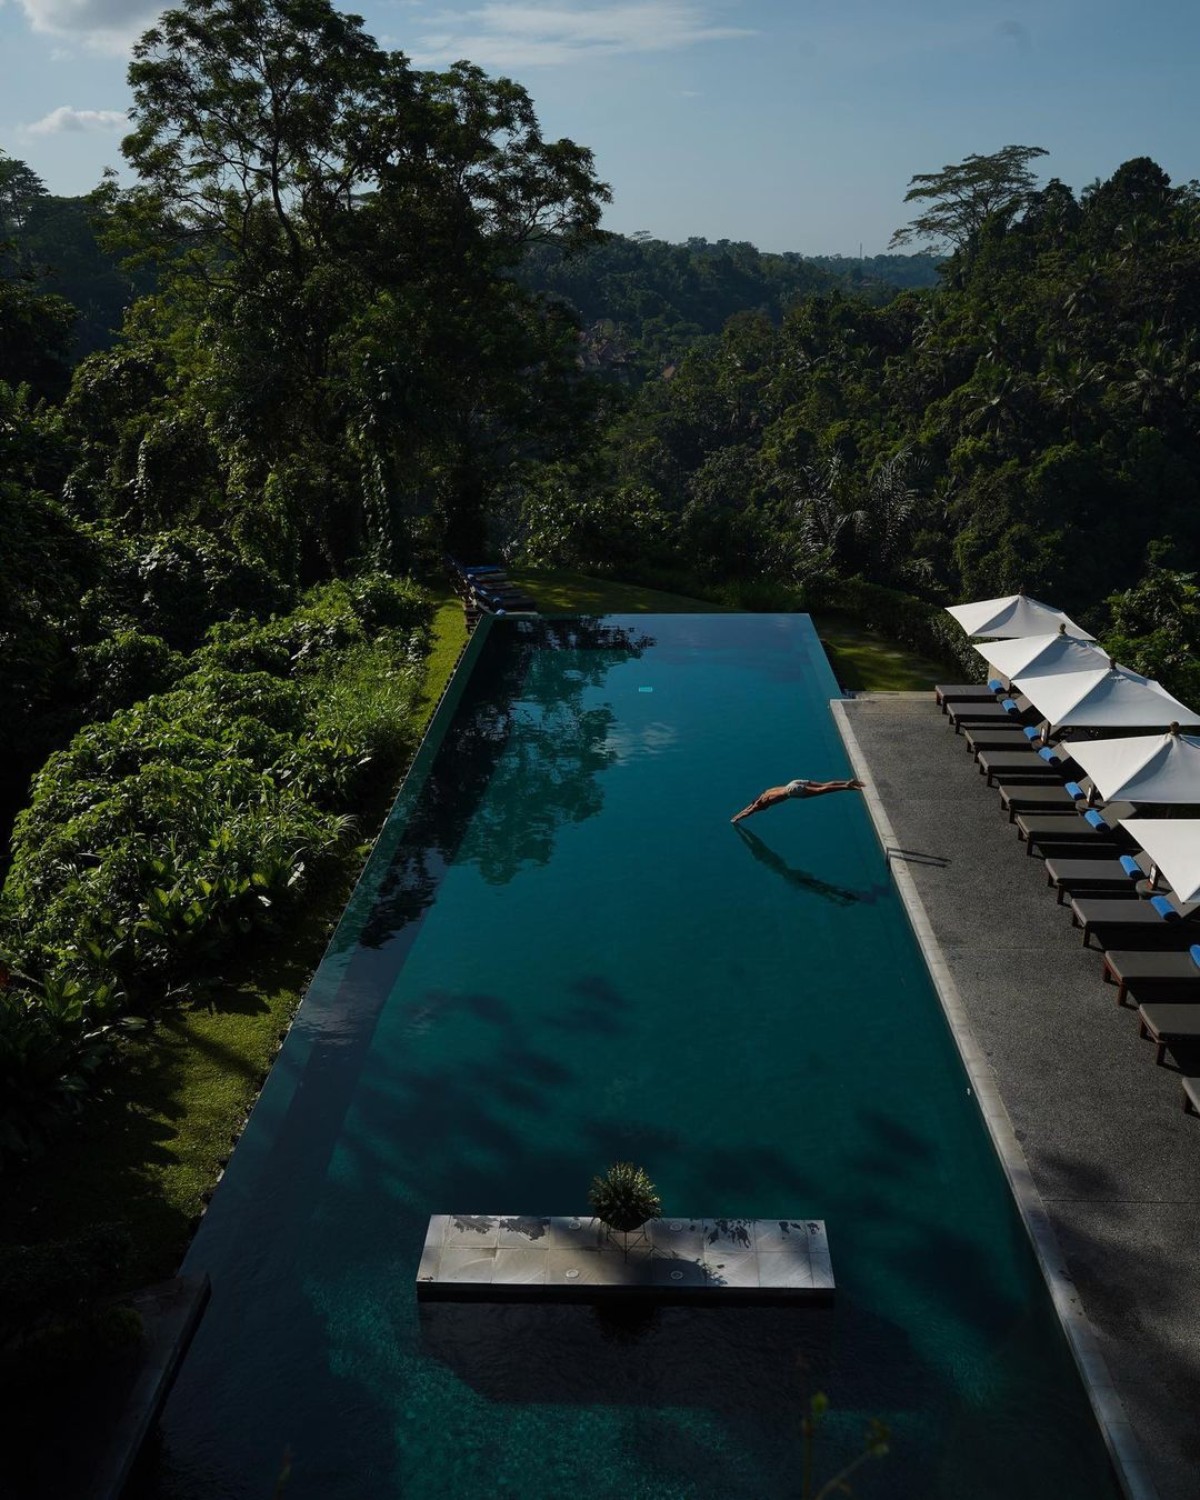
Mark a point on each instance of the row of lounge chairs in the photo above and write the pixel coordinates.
(1150, 946)
(485, 588)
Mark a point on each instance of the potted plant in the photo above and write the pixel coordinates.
(624, 1198)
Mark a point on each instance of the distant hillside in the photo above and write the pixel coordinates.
(903, 271)
(644, 302)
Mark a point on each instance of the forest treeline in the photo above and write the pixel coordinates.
(642, 301)
(1029, 422)
(368, 317)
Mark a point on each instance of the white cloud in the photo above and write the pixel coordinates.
(64, 118)
(628, 745)
(110, 26)
(510, 34)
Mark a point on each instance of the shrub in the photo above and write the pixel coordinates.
(122, 670)
(624, 1197)
(158, 840)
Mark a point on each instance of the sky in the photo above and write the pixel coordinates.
(794, 124)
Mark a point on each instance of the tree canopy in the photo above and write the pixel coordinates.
(341, 227)
(964, 196)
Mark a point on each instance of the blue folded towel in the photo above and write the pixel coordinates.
(1096, 821)
(1164, 908)
(995, 684)
(1131, 866)
(1031, 732)
(1076, 791)
(1009, 706)
(1049, 757)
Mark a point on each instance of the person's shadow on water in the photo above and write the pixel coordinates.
(838, 894)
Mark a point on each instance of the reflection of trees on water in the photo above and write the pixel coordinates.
(520, 759)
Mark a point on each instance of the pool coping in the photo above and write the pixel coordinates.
(1125, 1451)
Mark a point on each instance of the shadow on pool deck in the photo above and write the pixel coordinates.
(1111, 1151)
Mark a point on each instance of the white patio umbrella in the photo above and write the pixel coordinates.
(1042, 655)
(1111, 698)
(1015, 614)
(1144, 767)
(1174, 846)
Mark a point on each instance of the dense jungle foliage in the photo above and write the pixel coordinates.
(212, 645)
(1031, 421)
(367, 316)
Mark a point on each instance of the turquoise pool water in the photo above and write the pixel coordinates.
(561, 955)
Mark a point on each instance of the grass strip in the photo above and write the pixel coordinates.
(562, 592)
(865, 662)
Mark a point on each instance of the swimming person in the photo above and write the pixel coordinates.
(776, 794)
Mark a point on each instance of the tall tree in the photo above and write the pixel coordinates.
(962, 197)
(339, 229)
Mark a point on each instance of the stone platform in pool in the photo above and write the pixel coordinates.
(491, 1257)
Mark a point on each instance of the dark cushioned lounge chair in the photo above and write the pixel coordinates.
(1094, 877)
(963, 714)
(1155, 923)
(1016, 766)
(1169, 1023)
(1035, 799)
(966, 692)
(1008, 737)
(1054, 833)
(1176, 969)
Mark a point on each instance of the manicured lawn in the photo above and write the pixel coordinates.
(865, 662)
(565, 593)
(150, 1150)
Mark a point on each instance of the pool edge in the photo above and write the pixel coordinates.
(1124, 1450)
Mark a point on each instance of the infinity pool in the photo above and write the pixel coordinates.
(562, 955)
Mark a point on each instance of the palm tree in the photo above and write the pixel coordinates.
(1069, 386)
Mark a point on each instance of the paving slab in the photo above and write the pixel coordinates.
(1114, 1158)
(490, 1256)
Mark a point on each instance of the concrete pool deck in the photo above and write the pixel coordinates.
(485, 1257)
(1095, 1132)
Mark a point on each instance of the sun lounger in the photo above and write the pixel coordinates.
(1149, 923)
(963, 714)
(472, 570)
(1169, 1023)
(1094, 877)
(1006, 737)
(508, 600)
(1012, 765)
(1176, 969)
(1054, 833)
(1041, 798)
(966, 692)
